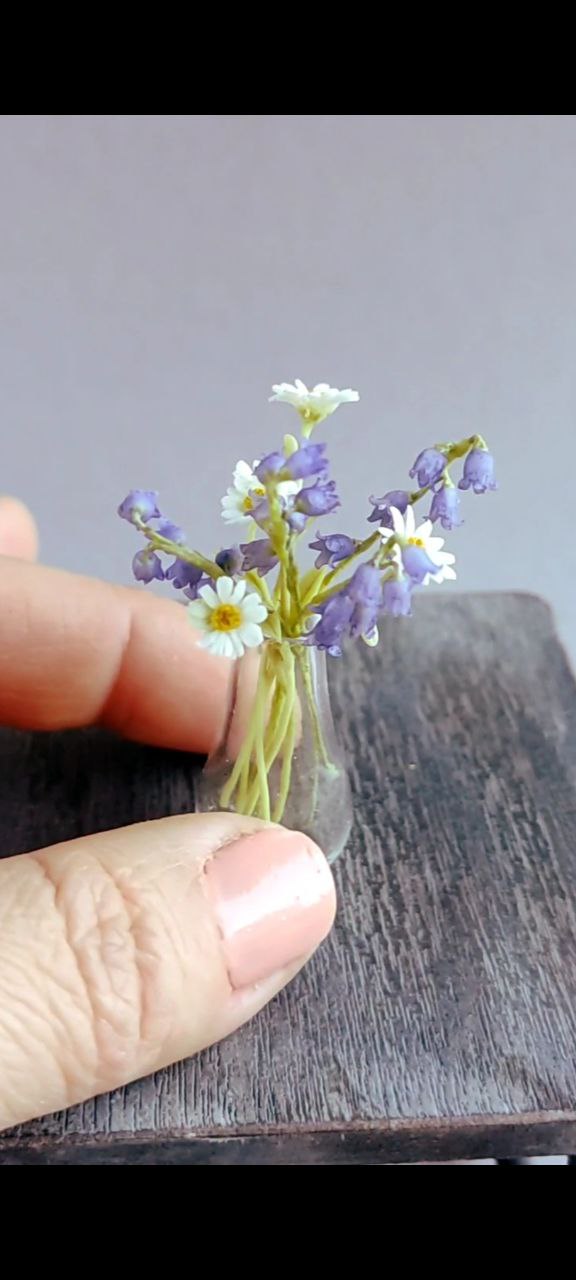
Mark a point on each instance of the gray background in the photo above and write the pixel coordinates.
(158, 273)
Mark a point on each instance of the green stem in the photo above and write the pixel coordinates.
(286, 773)
(283, 704)
(158, 543)
(303, 656)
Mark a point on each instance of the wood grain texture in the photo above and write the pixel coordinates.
(439, 1020)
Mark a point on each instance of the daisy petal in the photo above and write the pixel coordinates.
(198, 613)
(224, 589)
(253, 609)
(251, 635)
(208, 594)
(239, 592)
(234, 641)
(409, 522)
(397, 521)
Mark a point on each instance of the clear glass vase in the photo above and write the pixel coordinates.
(279, 758)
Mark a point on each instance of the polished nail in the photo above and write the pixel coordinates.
(274, 900)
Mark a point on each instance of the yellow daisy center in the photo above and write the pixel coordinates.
(415, 542)
(225, 617)
(247, 503)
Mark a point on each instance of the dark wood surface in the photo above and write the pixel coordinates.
(439, 1020)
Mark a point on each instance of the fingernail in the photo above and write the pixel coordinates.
(274, 900)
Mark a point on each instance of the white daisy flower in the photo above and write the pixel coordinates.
(315, 404)
(229, 618)
(246, 492)
(418, 552)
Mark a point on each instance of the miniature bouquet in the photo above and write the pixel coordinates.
(279, 758)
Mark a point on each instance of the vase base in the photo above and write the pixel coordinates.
(330, 828)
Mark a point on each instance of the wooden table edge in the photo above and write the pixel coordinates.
(356, 1142)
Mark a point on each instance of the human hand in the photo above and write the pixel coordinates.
(127, 950)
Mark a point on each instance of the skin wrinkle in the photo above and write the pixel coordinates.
(125, 958)
(89, 944)
(124, 964)
(45, 1026)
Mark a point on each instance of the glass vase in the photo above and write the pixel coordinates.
(279, 758)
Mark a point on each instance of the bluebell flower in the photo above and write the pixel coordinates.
(307, 461)
(172, 532)
(333, 625)
(352, 611)
(230, 559)
(146, 566)
(317, 499)
(397, 597)
(333, 548)
(258, 555)
(140, 505)
(296, 519)
(397, 498)
(445, 507)
(478, 471)
(193, 591)
(418, 551)
(365, 592)
(183, 574)
(417, 563)
(428, 467)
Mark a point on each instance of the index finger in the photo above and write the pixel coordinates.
(75, 651)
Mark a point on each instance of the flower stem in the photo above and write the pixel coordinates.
(158, 543)
(303, 656)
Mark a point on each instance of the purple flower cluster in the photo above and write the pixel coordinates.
(351, 612)
(430, 471)
(140, 507)
(298, 488)
(309, 462)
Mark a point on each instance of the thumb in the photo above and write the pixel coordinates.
(18, 533)
(128, 950)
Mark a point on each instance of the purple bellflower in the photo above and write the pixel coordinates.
(417, 562)
(353, 611)
(258, 555)
(428, 467)
(146, 566)
(318, 499)
(397, 597)
(230, 560)
(445, 507)
(183, 574)
(307, 461)
(139, 506)
(172, 532)
(333, 548)
(365, 592)
(398, 498)
(333, 625)
(478, 471)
